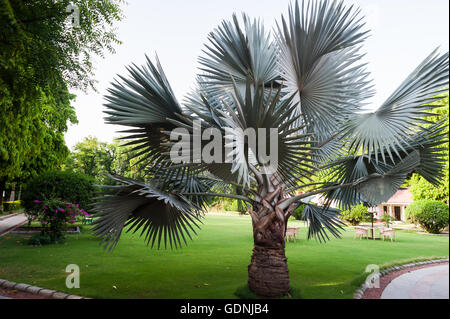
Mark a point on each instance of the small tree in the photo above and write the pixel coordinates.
(54, 215)
(356, 214)
(304, 92)
(298, 212)
(387, 219)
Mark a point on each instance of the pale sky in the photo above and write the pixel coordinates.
(403, 33)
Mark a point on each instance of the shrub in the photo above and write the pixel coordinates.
(430, 214)
(39, 239)
(298, 212)
(54, 215)
(356, 214)
(387, 219)
(67, 186)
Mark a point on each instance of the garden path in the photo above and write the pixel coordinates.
(426, 283)
(8, 224)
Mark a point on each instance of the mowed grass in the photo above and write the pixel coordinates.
(213, 265)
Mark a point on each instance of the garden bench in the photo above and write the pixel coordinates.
(388, 232)
(361, 232)
(291, 233)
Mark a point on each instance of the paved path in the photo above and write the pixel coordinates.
(9, 223)
(426, 283)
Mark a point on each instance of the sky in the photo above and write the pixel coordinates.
(403, 33)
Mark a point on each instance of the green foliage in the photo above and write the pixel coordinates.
(40, 239)
(95, 158)
(430, 214)
(38, 36)
(387, 219)
(298, 212)
(356, 214)
(225, 204)
(68, 186)
(54, 215)
(421, 188)
(41, 57)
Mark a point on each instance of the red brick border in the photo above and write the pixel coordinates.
(387, 275)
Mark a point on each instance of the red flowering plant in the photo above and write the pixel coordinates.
(55, 214)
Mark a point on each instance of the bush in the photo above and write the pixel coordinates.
(356, 214)
(67, 186)
(54, 215)
(298, 212)
(430, 214)
(39, 239)
(387, 219)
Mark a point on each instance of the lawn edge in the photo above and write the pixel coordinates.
(34, 290)
(359, 293)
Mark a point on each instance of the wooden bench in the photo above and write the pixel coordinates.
(291, 233)
(388, 232)
(361, 232)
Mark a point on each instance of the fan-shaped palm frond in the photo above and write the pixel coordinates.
(318, 59)
(260, 113)
(162, 216)
(391, 127)
(320, 219)
(237, 52)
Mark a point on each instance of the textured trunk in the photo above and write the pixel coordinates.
(268, 274)
(20, 193)
(2, 188)
(12, 196)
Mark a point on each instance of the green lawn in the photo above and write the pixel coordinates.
(211, 266)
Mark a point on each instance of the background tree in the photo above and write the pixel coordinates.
(310, 85)
(92, 158)
(420, 188)
(98, 159)
(42, 56)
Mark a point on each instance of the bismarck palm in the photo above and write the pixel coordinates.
(308, 82)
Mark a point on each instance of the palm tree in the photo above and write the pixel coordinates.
(308, 82)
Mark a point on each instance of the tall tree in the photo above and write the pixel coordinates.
(308, 87)
(98, 159)
(91, 157)
(46, 48)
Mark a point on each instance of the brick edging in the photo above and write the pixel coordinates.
(359, 293)
(48, 293)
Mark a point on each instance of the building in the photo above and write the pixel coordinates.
(396, 205)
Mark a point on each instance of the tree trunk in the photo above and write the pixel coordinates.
(268, 274)
(2, 188)
(12, 196)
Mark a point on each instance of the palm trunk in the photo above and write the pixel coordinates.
(268, 274)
